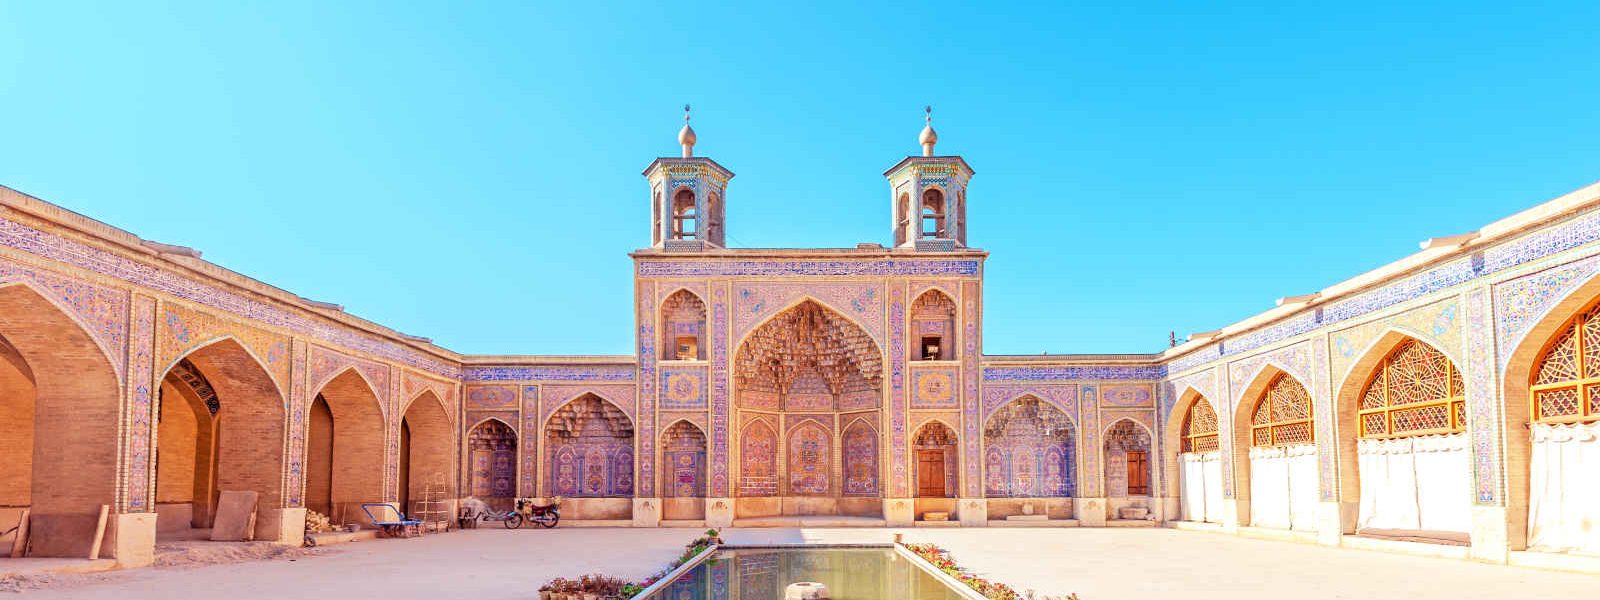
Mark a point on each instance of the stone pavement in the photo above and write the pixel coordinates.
(1110, 564)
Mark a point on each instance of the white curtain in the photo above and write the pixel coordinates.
(1202, 486)
(1444, 482)
(1303, 487)
(1419, 483)
(1269, 488)
(1388, 473)
(1192, 503)
(1564, 486)
(1212, 469)
(1283, 487)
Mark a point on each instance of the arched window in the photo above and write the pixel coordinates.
(933, 324)
(1200, 427)
(902, 216)
(933, 214)
(1415, 391)
(1566, 378)
(1283, 415)
(683, 215)
(683, 327)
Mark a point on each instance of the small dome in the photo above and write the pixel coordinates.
(929, 136)
(686, 135)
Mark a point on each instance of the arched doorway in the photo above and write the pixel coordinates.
(186, 450)
(808, 387)
(221, 429)
(1200, 464)
(935, 453)
(427, 457)
(492, 463)
(1557, 423)
(345, 448)
(1129, 467)
(1402, 431)
(59, 405)
(1276, 431)
(683, 481)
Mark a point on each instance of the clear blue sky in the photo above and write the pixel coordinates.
(471, 173)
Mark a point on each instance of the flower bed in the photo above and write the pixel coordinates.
(600, 587)
(941, 559)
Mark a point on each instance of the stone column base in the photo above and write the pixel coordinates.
(285, 526)
(646, 512)
(719, 512)
(1490, 533)
(1235, 514)
(973, 512)
(900, 512)
(1091, 512)
(1330, 523)
(131, 539)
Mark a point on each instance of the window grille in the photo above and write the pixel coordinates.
(1283, 415)
(1416, 390)
(1566, 378)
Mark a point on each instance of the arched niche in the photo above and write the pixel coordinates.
(1029, 451)
(683, 327)
(589, 446)
(933, 326)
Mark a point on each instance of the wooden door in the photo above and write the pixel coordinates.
(930, 473)
(1138, 474)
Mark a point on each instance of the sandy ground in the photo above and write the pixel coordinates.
(1109, 564)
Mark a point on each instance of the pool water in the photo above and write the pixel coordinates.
(849, 573)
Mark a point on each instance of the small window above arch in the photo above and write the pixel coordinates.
(933, 214)
(685, 215)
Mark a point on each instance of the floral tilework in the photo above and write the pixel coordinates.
(141, 407)
(103, 311)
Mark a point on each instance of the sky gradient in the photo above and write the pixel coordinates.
(471, 173)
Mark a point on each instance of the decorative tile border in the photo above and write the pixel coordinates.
(103, 312)
(805, 267)
(1550, 240)
(50, 246)
(549, 373)
(1072, 373)
(141, 419)
(860, 302)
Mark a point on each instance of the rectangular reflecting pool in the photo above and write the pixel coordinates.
(849, 573)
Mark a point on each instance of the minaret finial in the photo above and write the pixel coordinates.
(686, 137)
(928, 137)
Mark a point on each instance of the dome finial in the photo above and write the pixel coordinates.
(929, 137)
(686, 136)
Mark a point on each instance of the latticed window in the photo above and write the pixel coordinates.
(1200, 427)
(1566, 380)
(1283, 415)
(1416, 390)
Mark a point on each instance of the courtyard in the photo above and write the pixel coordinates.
(1096, 564)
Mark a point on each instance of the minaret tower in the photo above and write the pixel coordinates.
(928, 196)
(687, 198)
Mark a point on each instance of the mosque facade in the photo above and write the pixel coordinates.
(1449, 399)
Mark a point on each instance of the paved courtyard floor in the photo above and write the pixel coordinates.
(1108, 564)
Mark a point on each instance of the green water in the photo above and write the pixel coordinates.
(850, 574)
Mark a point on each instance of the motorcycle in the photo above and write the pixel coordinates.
(546, 515)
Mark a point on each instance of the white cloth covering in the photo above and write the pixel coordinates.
(1202, 486)
(1418, 483)
(1564, 488)
(1283, 487)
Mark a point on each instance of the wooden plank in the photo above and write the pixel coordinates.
(99, 532)
(19, 544)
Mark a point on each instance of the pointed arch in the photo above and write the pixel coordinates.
(1128, 460)
(933, 326)
(1401, 386)
(492, 462)
(810, 450)
(936, 456)
(352, 449)
(61, 420)
(758, 459)
(859, 457)
(427, 453)
(683, 452)
(600, 436)
(1546, 390)
(1030, 450)
(683, 326)
(247, 435)
(1286, 424)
